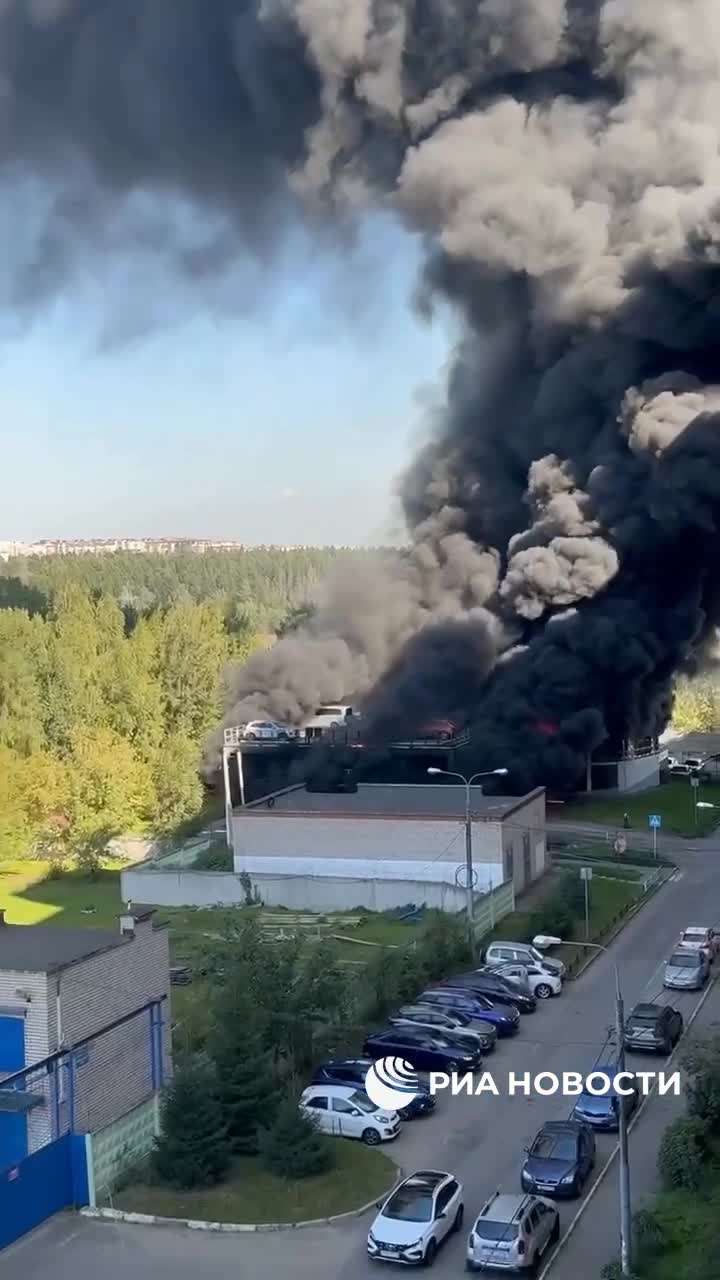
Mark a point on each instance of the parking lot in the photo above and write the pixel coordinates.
(479, 1139)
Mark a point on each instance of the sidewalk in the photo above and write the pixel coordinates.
(595, 1240)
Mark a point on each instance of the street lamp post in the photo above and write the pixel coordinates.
(542, 941)
(467, 782)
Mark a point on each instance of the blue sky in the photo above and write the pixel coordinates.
(283, 414)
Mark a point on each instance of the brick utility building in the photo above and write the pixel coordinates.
(382, 845)
(93, 1007)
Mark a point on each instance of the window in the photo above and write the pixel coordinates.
(319, 1104)
(342, 1105)
(409, 1205)
(487, 1229)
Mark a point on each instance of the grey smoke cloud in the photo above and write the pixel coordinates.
(561, 159)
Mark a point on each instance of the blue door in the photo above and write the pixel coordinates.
(13, 1124)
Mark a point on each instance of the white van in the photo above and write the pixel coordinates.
(328, 718)
(347, 1112)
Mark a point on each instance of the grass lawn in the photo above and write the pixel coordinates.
(673, 801)
(73, 900)
(251, 1194)
(607, 900)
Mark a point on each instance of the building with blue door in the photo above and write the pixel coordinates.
(103, 996)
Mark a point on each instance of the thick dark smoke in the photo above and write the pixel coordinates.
(561, 158)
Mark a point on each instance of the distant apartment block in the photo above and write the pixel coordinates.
(110, 546)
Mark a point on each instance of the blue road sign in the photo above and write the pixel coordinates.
(655, 819)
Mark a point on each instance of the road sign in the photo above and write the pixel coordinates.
(655, 820)
(586, 873)
(694, 782)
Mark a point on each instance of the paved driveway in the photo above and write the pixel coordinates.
(480, 1139)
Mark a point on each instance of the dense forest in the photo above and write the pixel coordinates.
(111, 678)
(262, 582)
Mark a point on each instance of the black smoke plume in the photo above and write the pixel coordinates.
(560, 158)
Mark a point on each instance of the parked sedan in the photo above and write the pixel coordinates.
(560, 1159)
(504, 1017)
(653, 1028)
(698, 937)
(602, 1111)
(434, 1019)
(530, 977)
(425, 1050)
(352, 1071)
(489, 983)
(686, 970)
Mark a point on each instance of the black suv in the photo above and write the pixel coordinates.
(353, 1071)
(489, 983)
(653, 1028)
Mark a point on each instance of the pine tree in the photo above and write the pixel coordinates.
(193, 1149)
(246, 1085)
(292, 1148)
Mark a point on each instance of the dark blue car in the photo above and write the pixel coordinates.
(602, 1111)
(560, 1160)
(424, 1050)
(504, 1017)
(354, 1070)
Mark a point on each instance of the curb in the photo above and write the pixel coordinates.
(611, 1158)
(236, 1228)
(630, 914)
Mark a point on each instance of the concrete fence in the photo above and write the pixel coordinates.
(165, 887)
(119, 1146)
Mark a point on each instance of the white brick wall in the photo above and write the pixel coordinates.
(12, 983)
(317, 836)
(117, 1075)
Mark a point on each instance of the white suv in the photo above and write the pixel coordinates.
(346, 1112)
(415, 1219)
(512, 1233)
(522, 953)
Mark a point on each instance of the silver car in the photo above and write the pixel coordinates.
(512, 1233)
(686, 970)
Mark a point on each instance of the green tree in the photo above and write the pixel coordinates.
(193, 649)
(682, 1155)
(110, 788)
(22, 655)
(178, 789)
(696, 706)
(291, 1147)
(193, 1149)
(246, 1084)
(701, 1061)
(74, 675)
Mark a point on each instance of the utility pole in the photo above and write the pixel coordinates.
(469, 873)
(625, 1215)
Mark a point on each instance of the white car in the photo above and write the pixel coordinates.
(346, 1112)
(699, 937)
(415, 1219)
(522, 953)
(263, 731)
(541, 982)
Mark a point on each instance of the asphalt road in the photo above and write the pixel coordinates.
(480, 1139)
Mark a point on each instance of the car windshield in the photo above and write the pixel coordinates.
(489, 1230)
(643, 1020)
(329, 711)
(693, 935)
(409, 1205)
(680, 961)
(553, 1146)
(362, 1102)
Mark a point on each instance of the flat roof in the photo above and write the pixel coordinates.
(696, 744)
(402, 800)
(37, 948)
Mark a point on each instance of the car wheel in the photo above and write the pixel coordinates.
(429, 1255)
(543, 992)
(667, 1048)
(457, 1224)
(252, 737)
(452, 1066)
(371, 1137)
